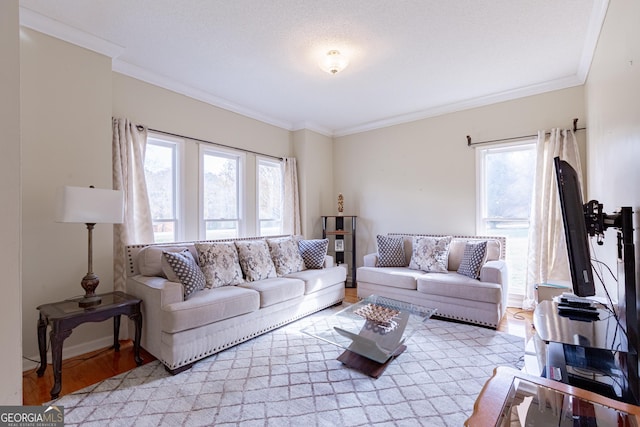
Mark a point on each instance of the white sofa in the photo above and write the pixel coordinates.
(455, 296)
(178, 331)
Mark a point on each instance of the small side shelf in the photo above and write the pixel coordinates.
(341, 232)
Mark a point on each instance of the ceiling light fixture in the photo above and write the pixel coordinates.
(334, 62)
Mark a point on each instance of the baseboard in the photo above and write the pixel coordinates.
(68, 352)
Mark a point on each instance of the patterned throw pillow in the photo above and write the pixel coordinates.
(313, 252)
(220, 264)
(285, 255)
(186, 269)
(391, 251)
(430, 254)
(472, 259)
(255, 260)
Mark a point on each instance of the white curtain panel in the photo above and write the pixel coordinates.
(547, 255)
(291, 217)
(129, 145)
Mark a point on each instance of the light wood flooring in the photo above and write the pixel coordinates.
(90, 368)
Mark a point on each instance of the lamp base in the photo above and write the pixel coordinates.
(89, 301)
(89, 283)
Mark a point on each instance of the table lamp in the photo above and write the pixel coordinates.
(90, 206)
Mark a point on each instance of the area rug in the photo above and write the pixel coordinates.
(287, 378)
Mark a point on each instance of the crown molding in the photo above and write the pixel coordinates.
(483, 101)
(155, 79)
(314, 127)
(51, 27)
(596, 21)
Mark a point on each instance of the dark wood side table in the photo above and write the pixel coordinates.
(63, 316)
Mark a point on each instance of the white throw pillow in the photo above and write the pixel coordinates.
(285, 255)
(430, 254)
(220, 264)
(255, 260)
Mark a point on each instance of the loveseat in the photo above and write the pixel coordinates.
(461, 282)
(246, 292)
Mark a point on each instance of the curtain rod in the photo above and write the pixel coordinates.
(515, 138)
(214, 143)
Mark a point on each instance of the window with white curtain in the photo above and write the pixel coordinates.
(270, 197)
(220, 197)
(505, 186)
(162, 174)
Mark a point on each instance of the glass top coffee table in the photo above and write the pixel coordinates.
(372, 331)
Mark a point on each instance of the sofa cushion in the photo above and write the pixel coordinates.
(390, 251)
(275, 290)
(456, 285)
(186, 271)
(285, 255)
(473, 258)
(220, 263)
(316, 280)
(430, 254)
(150, 259)
(396, 277)
(255, 260)
(313, 252)
(208, 306)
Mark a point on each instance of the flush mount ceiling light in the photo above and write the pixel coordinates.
(334, 62)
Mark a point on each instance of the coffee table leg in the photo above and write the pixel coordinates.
(116, 332)
(57, 338)
(42, 345)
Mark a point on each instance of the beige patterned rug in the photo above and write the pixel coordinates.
(287, 378)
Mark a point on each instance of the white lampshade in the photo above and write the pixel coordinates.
(90, 205)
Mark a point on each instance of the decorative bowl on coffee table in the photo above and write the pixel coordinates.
(373, 331)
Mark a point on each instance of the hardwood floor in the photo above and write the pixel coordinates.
(82, 371)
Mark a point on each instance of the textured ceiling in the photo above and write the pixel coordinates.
(409, 59)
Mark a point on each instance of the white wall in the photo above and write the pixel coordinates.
(10, 221)
(66, 140)
(421, 177)
(314, 155)
(613, 110)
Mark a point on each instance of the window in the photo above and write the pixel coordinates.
(221, 184)
(162, 176)
(270, 197)
(506, 178)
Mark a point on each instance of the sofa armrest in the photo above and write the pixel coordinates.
(328, 261)
(371, 260)
(496, 272)
(155, 290)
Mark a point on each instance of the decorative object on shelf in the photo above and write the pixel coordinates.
(340, 204)
(340, 230)
(90, 206)
(333, 62)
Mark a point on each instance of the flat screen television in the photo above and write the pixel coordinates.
(575, 229)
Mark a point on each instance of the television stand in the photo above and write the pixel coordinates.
(589, 353)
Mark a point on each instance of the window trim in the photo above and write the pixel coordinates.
(266, 160)
(240, 156)
(177, 144)
(514, 299)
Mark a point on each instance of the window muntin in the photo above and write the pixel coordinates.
(163, 183)
(220, 178)
(505, 181)
(270, 197)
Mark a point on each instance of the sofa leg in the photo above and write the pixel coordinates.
(178, 370)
